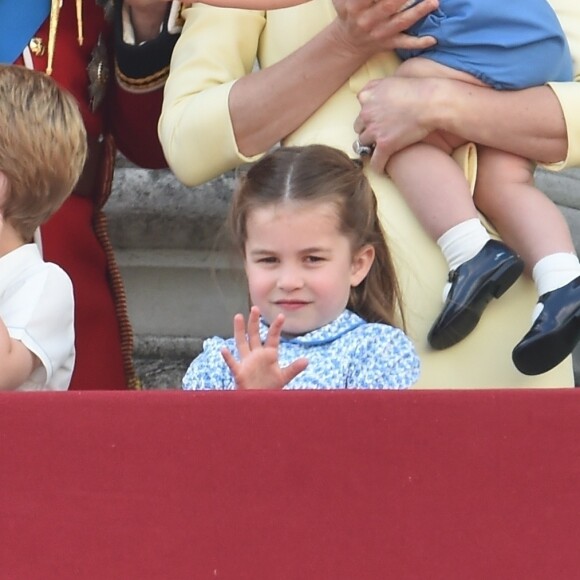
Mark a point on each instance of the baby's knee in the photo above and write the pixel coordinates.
(495, 167)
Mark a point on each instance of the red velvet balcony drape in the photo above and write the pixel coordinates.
(470, 485)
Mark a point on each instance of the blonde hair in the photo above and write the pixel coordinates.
(43, 146)
(317, 173)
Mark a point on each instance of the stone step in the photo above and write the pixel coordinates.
(150, 209)
(564, 189)
(161, 361)
(182, 279)
(175, 298)
(181, 292)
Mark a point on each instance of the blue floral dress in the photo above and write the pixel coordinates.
(348, 353)
(507, 44)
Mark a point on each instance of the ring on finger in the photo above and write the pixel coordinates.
(363, 150)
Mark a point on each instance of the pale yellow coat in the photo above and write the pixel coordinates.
(219, 45)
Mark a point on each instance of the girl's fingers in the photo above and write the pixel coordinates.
(273, 338)
(293, 369)
(254, 328)
(230, 361)
(240, 336)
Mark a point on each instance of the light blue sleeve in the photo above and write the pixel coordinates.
(385, 358)
(208, 371)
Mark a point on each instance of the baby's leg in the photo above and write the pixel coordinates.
(535, 227)
(432, 183)
(434, 186)
(524, 217)
(437, 191)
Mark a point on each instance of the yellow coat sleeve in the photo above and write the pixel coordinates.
(217, 46)
(568, 94)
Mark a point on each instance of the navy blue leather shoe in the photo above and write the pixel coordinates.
(554, 333)
(487, 275)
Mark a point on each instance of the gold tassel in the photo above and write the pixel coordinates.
(80, 21)
(55, 6)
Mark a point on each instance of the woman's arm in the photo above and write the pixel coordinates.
(397, 112)
(212, 76)
(290, 91)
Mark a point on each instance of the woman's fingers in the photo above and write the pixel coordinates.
(370, 27)
(392, 116)
(409, 42)
(401, 20)
(386, 24)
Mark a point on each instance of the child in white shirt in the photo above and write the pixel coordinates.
(42, 153)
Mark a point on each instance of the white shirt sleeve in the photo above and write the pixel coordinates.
(39, 312)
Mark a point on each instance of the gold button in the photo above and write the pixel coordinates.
(36, 46)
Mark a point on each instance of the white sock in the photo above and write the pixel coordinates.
(461, 243)
(553, 272)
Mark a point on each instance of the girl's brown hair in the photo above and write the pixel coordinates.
(317, 173)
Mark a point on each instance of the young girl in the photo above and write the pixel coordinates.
(321, 280)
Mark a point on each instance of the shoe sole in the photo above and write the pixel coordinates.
(468, 318)
(548, 351)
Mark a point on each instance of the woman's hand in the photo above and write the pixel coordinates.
(399, 111)
(259, 366)
(271, 103)
(395, 113)
(371, 26)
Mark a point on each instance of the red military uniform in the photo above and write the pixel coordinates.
(76, 236)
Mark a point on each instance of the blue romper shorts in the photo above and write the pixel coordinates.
(507, 44)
